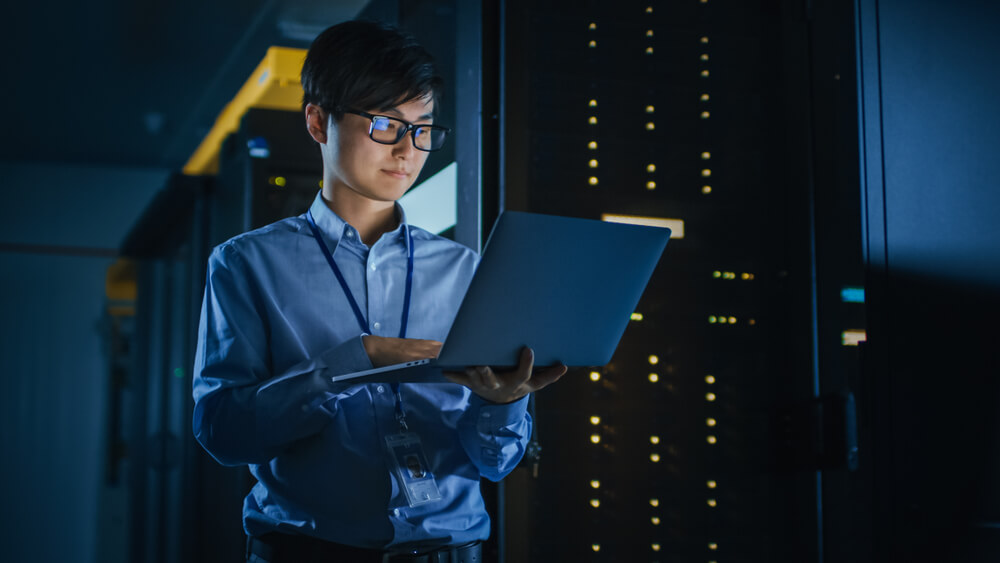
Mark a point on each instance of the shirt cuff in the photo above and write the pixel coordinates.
(491, 415)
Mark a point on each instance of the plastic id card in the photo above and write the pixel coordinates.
(411, 467)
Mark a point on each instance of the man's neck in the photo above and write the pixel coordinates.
(371, 218)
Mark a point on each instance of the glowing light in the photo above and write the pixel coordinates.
(706, 172)
(653, 378)
(650, 126)
(711, 484)
(852, 295)
(705, 115)
(592, 180)
(853, 337)
(710, 422)
(595, 376)
(649, 33)
(676, 226)
(592, 163)
(592, 103)
(595, 420)
(655, 547)
(712, 545)
(649, 9)
(636, 316)
(704, 97)
(654, 502)
(592, 145)
(706, 189)
(650, 185)
(595, 438)
(595, 502)
(710, 379)
(649, 50)
(654, 439)
(706, 155)
(592, 120)
(709, 397)
(650, 109)
(655, 458)
(712, 502)
(592, 25)
(704, 56)
(592, 44)
(704, 40)
(595, 484)
(596, 547)
(711, 439)
(704, 73)
(653, 359)
(655, 520)
(650, 168)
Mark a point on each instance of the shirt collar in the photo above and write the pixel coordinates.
(335, 228)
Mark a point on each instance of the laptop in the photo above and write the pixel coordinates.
(566, 287)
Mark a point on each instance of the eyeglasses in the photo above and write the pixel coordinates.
(390, 130)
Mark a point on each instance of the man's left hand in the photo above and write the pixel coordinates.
(507, 386)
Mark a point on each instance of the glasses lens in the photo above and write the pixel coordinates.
(386, 129)
(429, 138)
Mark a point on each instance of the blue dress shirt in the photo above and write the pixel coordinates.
(275, 325)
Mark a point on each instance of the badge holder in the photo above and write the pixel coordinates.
(410, 465)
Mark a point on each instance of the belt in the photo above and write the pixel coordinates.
(276, 547)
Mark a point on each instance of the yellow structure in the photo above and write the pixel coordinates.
(274, 84)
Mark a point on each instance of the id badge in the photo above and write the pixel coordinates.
(410, 465)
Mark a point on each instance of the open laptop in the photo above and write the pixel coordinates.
(566, 287)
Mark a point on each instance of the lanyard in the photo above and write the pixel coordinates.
(362, 322)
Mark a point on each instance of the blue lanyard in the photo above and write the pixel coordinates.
(362, 322)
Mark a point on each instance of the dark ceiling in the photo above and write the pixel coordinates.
(120, 83)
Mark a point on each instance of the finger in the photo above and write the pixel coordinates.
(546, 376)
(524, 367)
(487, 378)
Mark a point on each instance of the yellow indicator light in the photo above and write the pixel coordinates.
(653, 378)
(592, 145)
(593, 25)
(592, 120)
(279, 181)
(732, 320)
(592, 163)
(650, 126)
(711, 319)
(704, 40)
(649, 9)
(707, 172)
(592, 44)
(592, 103)
(650, 168)
(595, 420)
(705, 115)
(649, 33)
(704, 56)
(711, 439)
(752, 322)
(712, 502)
(709, 396)
(710, 379)
(596, 547)
(650, 185)
(653, 360)
(706, 189)
(655, 520)
(717, 274)
(321, 183)
(704, 97)
(595, 502)
(595, 376)
(704, 73)
(650, 109)
(654, 439)
(592, 180)
(706, 155)
(649, 50)
(636, 316)
(595, 484)
(853, 337)
(712, 484)
(710, 422)
(654, 502)
(712, 545)
(655, 458)
(655, 547)
(595, 438)
(704, 1)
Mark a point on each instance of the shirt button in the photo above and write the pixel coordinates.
(349, 234)
(373, 267)
(380, 389)
(377, 325)
(395, 512)
(486, 415)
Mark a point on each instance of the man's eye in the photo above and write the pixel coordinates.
(383, 124)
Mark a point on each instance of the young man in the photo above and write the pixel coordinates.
(355, 473)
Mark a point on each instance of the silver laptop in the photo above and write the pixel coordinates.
(564, 286)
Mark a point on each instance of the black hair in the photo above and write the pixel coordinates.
(367, 66)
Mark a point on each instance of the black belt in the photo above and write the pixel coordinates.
(285, 548)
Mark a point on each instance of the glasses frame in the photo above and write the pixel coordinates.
(410, 128)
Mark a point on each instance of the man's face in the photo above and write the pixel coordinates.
(361, 167)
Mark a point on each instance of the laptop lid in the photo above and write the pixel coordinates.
(564, 286)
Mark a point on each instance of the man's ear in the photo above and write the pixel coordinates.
(316, 123)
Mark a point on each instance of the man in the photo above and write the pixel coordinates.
(355, 473)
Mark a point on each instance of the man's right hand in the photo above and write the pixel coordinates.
(386, 351)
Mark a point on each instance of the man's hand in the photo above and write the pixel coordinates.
(386, 351)
(507, 386)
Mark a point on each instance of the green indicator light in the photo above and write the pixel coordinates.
(179, 373)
